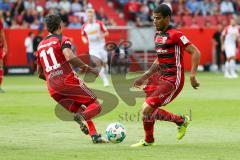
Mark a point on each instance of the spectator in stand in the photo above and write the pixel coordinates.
(40, 14)
(65, 5)
(133, 8)
(143, 18)
(193, 7)
(18, 8)
(28, 16)
(151, 4)
(100, 15)
(29, 4)
(81, 16)
(64, 16)
(205, 7)
(15, 25)
(122, 3)
(75, 23)
(76, 6)
(213, 7)
(35, 24)
(51, 4)
(7, 18)
(226, 7)
(5, 5)
(181, 8)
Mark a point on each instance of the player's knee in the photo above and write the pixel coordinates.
(147, 109)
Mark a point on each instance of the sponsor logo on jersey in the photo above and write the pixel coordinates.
(162, 50)
(184, 40)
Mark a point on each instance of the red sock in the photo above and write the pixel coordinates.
(1, 76)
(148, 125)
(91, 127)
(149, 129)
(164, 115)
(91, 111)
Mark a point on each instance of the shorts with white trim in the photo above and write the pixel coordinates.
(72, 98)
(160, 92)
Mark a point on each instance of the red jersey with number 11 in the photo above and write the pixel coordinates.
(58, 72)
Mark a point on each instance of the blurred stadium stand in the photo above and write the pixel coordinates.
(196, 18)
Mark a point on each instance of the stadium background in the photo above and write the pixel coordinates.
(30, 129)
(198, 19)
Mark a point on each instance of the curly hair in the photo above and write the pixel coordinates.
(53, 22)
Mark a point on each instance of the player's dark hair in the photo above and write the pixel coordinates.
(53, 22)
(164, 9)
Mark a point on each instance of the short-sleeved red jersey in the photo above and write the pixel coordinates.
(58, 72)
(170, 47)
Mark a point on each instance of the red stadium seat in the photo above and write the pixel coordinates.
(187, 20)
(200, 21)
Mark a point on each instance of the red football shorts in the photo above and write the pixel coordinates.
(73, 98)
(160, 92)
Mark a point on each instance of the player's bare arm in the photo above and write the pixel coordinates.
(5, 48)
(40, 72)
(195, 53)
(222, 41)
(105, 34)
(153, 69)
(84, 39)
(76, 62)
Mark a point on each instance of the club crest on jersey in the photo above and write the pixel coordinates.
(162, 40)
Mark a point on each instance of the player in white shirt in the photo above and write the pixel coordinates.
(229, 38)
(94, 33)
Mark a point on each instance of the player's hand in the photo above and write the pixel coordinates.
(5, 50)
(91, 75)
(222, 48)
(194, 82)
(139, 82)
(94, 71)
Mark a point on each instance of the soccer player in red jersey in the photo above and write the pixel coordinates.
(55, 60)
(3, 52)
(166, 75)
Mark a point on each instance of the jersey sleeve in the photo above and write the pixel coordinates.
(181, 40)
(66, 43)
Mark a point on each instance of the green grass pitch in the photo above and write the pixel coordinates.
(30, 130)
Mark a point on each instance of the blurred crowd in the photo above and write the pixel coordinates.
(139, 11)
(191, 13)
(30, 13)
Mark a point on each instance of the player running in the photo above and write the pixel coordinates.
(229, 39)
(94, 33)
(166, 76)
(3, 52)
(55, 60)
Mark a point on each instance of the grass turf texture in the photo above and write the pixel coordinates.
(29, 129)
